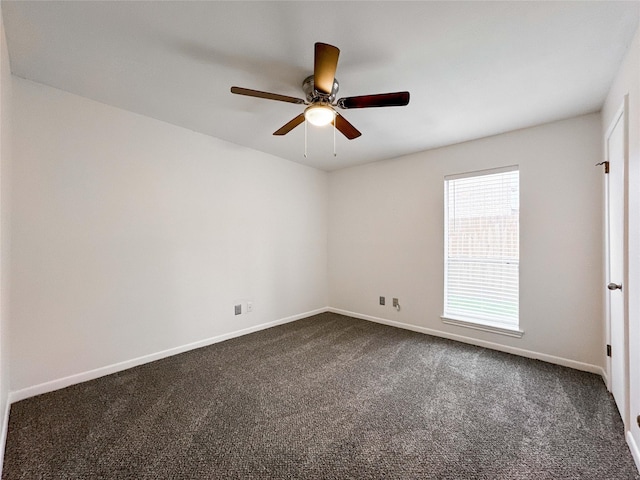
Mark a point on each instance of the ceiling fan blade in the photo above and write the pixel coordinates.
(290, 125)
(346, 128)
(397, 99)
(324, 67)
(269, 96)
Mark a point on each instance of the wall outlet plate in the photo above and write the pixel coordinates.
(238, 309)
(381, 300)
(249, 307)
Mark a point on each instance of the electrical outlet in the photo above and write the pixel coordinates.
(249, 307)
(395, 303)
(381, 300)
(238, 309)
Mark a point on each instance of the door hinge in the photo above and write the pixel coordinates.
(608, 350)
(606, 166)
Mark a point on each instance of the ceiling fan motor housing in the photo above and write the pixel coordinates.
(313, 96)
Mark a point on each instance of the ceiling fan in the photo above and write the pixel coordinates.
(320, 90)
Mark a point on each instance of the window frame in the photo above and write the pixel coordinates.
(476, 323)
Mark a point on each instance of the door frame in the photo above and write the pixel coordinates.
(622, 114)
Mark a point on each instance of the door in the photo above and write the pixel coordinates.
(615, 143)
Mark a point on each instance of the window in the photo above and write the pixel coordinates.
(482, 250)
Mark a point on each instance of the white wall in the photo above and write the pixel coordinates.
(131, 236)
(5, 159)
(628, 82)
(386, 238)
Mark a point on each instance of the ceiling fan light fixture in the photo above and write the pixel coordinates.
(319, 115)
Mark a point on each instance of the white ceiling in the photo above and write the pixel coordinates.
(474, 69)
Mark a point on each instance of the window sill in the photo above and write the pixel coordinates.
(484, 326)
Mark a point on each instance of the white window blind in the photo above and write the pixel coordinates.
(482, 247)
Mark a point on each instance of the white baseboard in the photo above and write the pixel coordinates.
(586, 367)
(57, 384)
(5, 429)
(635, 451)
(50, 386)
(605, 378)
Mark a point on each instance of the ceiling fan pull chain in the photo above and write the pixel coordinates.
(305, 138)
(334, 133)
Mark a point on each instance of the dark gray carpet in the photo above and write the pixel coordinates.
(327, 397)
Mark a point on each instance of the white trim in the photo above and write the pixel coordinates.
(605, 258)
(565, 362)
(57, 384)
(635, 451)
(448, 280)
(5, 430)
(99, 372)
(479, 173)
(622, 114)
(605, 378)
(481, 325)
(16, 396)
